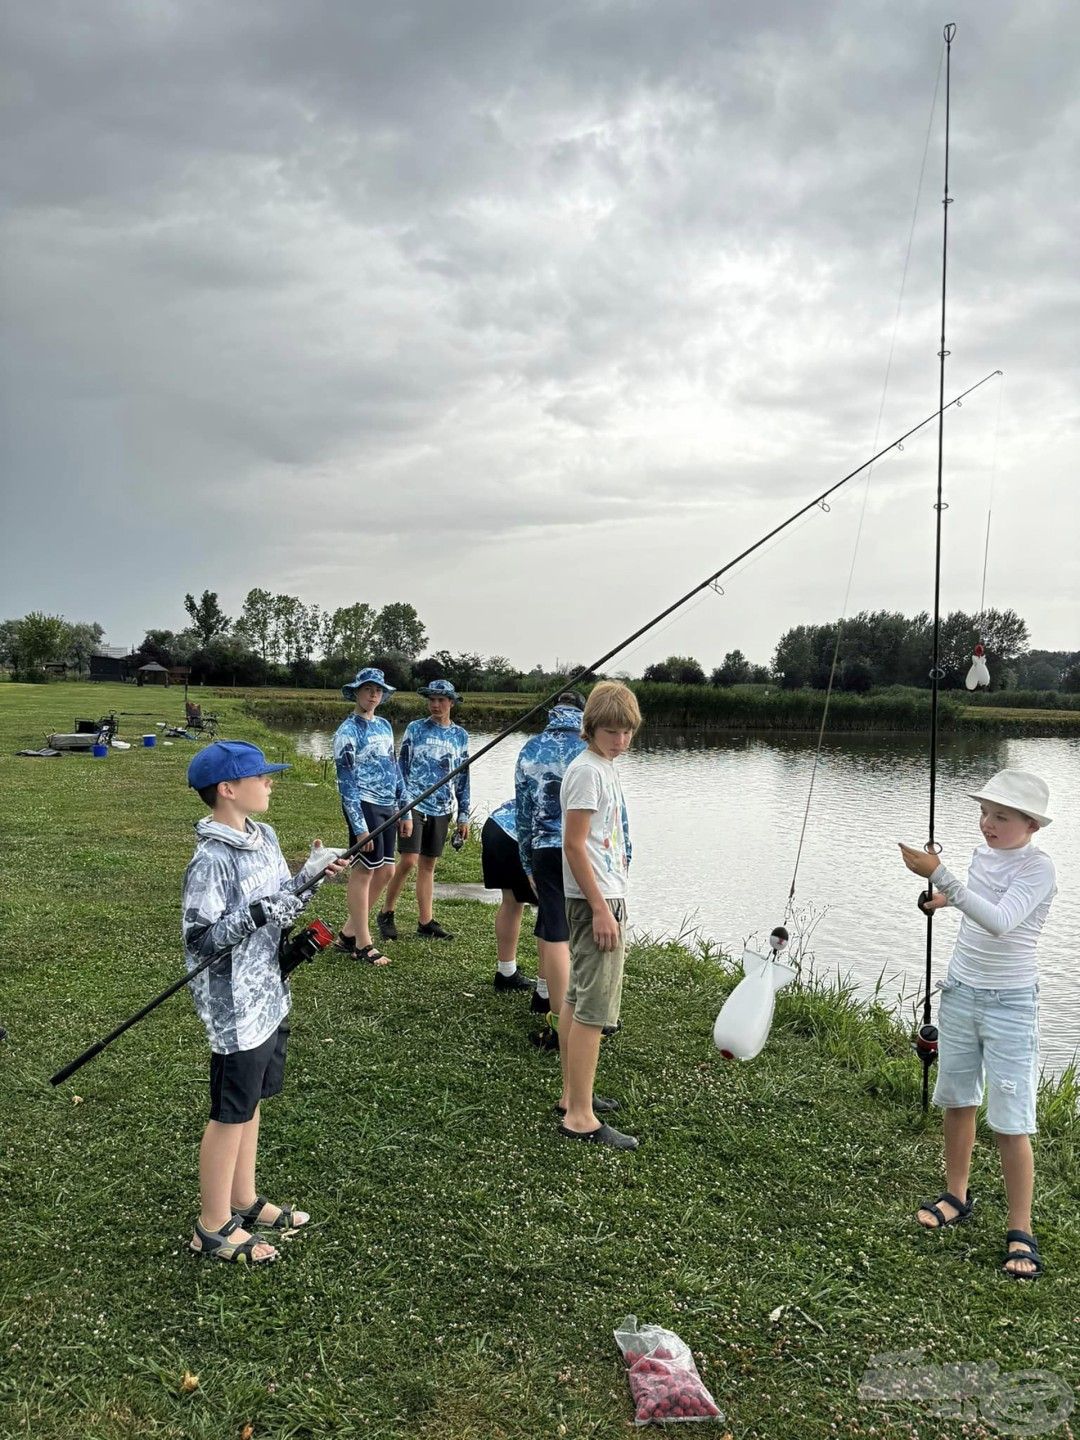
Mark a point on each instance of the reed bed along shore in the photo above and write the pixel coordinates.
(465, 1267)
(702, 708)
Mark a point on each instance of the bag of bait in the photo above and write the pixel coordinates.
(664, 1382)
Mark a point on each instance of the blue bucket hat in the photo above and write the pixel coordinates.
(228, 760)
(439, 687)
(370, 676)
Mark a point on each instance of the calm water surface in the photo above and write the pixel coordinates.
(716, 820)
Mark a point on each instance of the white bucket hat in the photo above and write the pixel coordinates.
(1019, 790)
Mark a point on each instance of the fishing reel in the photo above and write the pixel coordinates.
(303, 946)
(926, 1044)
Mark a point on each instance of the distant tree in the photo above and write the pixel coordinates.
(290, 627)
(395, 666)
(350, 633)
(1003, 634)
(9, 642)
(759, 675)
(207, 617)
(41, 639)
(734, 671)
(1070, 681)
(257, 621)
(158, 646)
(658, 673)
(398, 627)
(82, 642)
(856, 676)
(499, 674)
(793, 659)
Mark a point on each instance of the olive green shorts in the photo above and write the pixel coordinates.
(596, 976)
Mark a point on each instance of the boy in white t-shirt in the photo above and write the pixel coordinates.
(988, 1018)
(595, 858)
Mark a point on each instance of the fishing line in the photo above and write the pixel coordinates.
(990, 497)
(866, 494)
(352, 854)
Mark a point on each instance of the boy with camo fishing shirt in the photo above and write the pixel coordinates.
(538, 775)
(372, 792)
(238, 898)
(430, 750)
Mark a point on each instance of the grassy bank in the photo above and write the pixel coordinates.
(465, 1267)
(698, 707)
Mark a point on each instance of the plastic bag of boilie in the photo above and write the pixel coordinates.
(663, 1378)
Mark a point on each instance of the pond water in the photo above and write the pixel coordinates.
(715, 821)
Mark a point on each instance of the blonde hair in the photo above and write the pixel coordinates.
(611, 705)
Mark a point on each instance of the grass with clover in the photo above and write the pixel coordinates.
(465, 1268)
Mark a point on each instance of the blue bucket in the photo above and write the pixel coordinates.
(100, 751)
(149, 741)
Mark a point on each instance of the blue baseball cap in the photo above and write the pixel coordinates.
(439, 687)
(228, 760)
(370, 676)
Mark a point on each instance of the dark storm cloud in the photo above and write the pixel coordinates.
(444, 273)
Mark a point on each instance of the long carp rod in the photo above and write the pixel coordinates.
(926, 1041)
(352, 854)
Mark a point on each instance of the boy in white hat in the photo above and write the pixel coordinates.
(988, 1021)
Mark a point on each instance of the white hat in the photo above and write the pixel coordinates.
(1019, 790)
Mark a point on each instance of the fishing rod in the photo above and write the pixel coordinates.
(353, 852)
(926, 1042)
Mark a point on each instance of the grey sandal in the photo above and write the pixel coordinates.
(249, 1218)
(216, 1245)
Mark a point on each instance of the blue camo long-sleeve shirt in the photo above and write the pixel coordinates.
(367, 768)
(429, 751)
(537, 779)
(240, 998)
(506, 818)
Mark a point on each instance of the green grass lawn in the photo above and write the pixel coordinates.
(465, 1267)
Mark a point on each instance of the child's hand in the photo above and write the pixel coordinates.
(605, 929)
(937, 901)
(463, 829)
(335, 867)
(919, 862)
(405, 828)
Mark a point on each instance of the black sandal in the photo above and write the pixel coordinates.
(345, 943)
(216, 1245)
(249, 1218)
(1028, 1249)
(370, 955)
(963, 1210)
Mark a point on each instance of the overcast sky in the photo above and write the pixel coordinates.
(535, 312)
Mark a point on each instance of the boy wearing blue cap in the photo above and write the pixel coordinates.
(238, 897)
(431, 749)
(372, 792)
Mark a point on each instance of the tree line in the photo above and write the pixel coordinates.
(278, 640)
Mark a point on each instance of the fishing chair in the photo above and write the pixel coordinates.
(197, 721)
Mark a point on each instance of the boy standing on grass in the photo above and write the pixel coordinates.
(988, 1019)
(596, 858)
(238, 897)
(502, 871)
(430, 749)
(538, 777)
(372, 790)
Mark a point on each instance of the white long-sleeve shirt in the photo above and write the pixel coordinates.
(1004, 906)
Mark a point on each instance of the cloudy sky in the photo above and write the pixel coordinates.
(535, 312)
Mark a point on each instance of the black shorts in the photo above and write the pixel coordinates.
(428, 836)
(238, 1082)
(502, 863)
(382, 847)
(551, 902)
